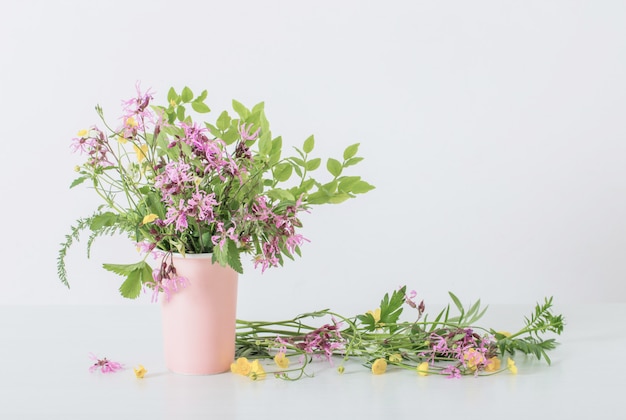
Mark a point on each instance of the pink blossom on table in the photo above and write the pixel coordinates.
(321, 342)
(452, 371)
(104, 365)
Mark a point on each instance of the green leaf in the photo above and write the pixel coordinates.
(334, 167)
(124, 269)
(202, 96)
(361, 187)
(391, 308)
(352, 161)
(101, 220)
(280, 194)
(265, 144)
(318, 197)
(241, 109)
(234, 259)
(186, 95)
(339, 198)
(172, 95)
(230, 135)
(309, 143)
(180, 113)
(350, 151)
(200, 107)
(457, 302)
(282, 172)
(223, 121)
(78, 181)
(298, 161)
(131, 288)
(346, 183)
(313, 164)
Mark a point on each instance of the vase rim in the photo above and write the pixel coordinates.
(191, 256)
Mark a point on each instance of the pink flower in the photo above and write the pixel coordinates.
(244, 132)
(105, 365)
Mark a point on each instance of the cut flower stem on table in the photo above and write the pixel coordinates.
(448, 345)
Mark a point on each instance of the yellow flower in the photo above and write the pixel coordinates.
(241, 366)
(83, 133)
(505, 333)
(281, 360)
(510, 364)
(473, 358)
(130, 122)
(341, 369)
(122, 139)
(379, 367)
(422, 369)
(375, 314)
(493, 365)
(149, 218)
(256, 371)
(172, 103)
(395, 358)
(141, 152)
(140, 371)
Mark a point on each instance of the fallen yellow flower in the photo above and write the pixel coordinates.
(379, 367)
(510, 364)
(281, 360)
(493, 365)
(256, 371)
(422, 369)
(241, 366)
(140, 371)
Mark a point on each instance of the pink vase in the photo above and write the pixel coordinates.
(199, 320)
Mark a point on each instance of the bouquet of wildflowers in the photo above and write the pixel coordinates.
(174, 185)
(448, 345)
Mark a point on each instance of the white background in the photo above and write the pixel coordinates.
(493, 131)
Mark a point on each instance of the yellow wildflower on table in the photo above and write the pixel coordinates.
(422, 369)
(140, 371)
(510, 364)
(379, 367)
(493, 365)
(395, 358)
(281, 360)
(241, 366)
(256, 371)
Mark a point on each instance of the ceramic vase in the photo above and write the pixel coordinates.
(199, 320)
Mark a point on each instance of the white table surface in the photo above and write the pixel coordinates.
(44, 374)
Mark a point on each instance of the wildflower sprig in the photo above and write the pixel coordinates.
(449, 345)
(176, 184)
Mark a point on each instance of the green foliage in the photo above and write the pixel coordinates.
(445, 342)
(234, 162)
(136, 275)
